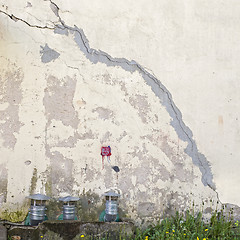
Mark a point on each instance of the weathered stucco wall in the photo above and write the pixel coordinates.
(158, 82)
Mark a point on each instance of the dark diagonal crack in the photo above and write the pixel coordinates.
(14, 18)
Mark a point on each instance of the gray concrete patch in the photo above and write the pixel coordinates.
(103, 113)
(74, 230)
(48, 54)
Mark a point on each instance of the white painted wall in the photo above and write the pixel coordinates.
(70, 103)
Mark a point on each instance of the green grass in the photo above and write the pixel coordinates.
(190, 226)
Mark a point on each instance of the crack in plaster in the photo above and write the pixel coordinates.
(14, 18)
(184, 133)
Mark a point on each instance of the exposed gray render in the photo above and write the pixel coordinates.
(48, 54)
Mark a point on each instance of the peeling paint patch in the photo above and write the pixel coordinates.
(48, 54)
(58, 100)
(60, 135)
(141, 104)
(105, 138)
(70, 142)
(122, 136)
(164, 174)
(87, 135)
(61, 174)
(178, 161)
(103, 113)
(10, 99)
(172, 152)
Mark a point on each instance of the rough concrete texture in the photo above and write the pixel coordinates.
(74, 230)
(62, 99)
(3, 233)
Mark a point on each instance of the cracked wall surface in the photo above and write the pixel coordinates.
(66, 90)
